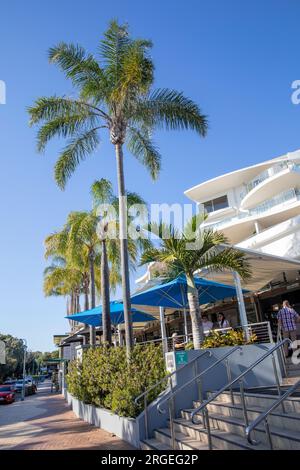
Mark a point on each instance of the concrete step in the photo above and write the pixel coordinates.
(291, 379)
(288, 421)
(154, 444)
(221, 439)
(182, 441)
(281, 438)
(292, 404)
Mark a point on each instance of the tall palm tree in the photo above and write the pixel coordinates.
(188, 252)
(103, 196)
(115, 94)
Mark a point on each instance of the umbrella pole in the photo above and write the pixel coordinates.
(241, 303)
(163, 330)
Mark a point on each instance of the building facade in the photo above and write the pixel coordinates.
(257, 207)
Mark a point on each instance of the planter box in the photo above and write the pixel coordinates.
(125, 428)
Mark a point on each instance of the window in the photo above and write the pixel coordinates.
(216, 204)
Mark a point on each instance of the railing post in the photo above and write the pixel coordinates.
(146, 417)
(229, 378)
(277, 380)
(270, 333)
(244, 403)
(209, 441)
(172, 416)
(163, 330)
(268, 432)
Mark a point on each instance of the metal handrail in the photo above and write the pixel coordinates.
(166, 378)
(203, 406)
(264, 416)
(236, 348)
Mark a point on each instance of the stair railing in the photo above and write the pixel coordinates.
(167, 378)
(265, 414)
(203, 407)
(198, 378)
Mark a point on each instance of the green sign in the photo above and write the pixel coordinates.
(181, 358)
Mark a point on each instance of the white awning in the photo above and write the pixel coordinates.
(265, 268)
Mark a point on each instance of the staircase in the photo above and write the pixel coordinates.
(228, 427)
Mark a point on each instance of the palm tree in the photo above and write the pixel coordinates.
(188, 252)
(103, 196)
(114, 94)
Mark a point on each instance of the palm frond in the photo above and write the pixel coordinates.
(79, 66)
(76, 151)
(171, 109)
(141, 146)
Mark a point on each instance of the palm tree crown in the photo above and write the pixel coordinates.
(189, 252)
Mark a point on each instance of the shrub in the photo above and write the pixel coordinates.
(217, 339)
(106, 379)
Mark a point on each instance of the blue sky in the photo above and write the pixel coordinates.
(237, 59)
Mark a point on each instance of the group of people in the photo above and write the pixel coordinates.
(222, 323)
(287, 322)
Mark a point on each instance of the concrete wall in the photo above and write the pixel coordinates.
(125, 428)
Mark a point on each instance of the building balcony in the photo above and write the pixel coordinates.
(269, 213)
(270, 182)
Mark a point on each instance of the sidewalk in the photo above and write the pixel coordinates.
(45, 422)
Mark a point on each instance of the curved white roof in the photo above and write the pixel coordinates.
(219, 184)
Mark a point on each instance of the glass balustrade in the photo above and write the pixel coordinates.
(266, 174)
(289, 196)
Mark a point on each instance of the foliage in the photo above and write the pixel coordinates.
(114, 93)
(217, 339)
(105, 378)
(14, 348)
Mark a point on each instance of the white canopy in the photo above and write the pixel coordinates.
(265, 268)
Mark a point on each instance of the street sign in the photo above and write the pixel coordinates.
(181, 358)
(2, 353)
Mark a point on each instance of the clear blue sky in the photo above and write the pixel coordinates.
(237, 59)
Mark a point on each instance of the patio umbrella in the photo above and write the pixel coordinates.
(173, 294)
(94, 316)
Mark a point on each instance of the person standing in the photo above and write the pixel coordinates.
(207, 325)
(287, 318)
(222, 322)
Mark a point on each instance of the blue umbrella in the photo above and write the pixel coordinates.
(94, 316)
(174, 294)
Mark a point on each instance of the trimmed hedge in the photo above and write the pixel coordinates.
(104, 378)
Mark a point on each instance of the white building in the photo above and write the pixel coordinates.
(257, 207)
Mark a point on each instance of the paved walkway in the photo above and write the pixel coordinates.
(45, 422)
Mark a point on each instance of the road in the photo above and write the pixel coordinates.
(45, 422)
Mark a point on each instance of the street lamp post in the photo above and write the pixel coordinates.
(24, 370)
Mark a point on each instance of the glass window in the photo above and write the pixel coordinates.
(220, 203)
(215, 204)
(208, 206)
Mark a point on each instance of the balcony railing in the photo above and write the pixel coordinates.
(271, 172)
(289, 196)
(265, 175)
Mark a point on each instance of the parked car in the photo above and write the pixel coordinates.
(11, 382)
(7, 394)
(30, 387)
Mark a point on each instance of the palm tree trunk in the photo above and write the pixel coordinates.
(106, 324)
(86, 294)
(124, 250)
(93, 297)
(193, 300)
